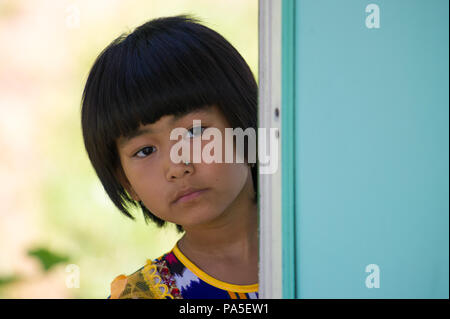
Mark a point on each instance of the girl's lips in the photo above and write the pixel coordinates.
(190, 196)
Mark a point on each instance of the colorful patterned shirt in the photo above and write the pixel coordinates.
(174, 276)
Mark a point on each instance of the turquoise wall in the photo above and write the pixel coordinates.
(371, 149)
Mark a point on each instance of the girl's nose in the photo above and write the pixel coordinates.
(179, 170)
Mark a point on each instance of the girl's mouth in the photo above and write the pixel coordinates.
(190, 196)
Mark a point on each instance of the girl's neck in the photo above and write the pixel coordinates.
(233, 237)
(226, 248)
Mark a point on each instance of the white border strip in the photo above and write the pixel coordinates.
(270, 252)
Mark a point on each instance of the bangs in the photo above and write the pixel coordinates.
(141, 78)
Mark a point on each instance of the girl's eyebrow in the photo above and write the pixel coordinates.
(141, 131)
(136, 133)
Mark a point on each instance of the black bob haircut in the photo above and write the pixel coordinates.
(167, 66)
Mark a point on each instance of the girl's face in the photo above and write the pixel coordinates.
(153, 178)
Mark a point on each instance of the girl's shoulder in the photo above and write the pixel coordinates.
(152, 281)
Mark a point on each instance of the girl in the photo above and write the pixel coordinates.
(164, 75)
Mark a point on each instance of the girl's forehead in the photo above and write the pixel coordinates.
(209, 113)
(173, 119)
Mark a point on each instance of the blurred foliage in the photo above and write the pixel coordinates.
(47, 258)
(8, 8)
(8, 280)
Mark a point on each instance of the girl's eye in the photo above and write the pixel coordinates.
(197, 130)
(144, 152)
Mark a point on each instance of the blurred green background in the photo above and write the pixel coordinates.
(54, 213)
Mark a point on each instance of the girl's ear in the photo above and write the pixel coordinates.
(123, 180)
